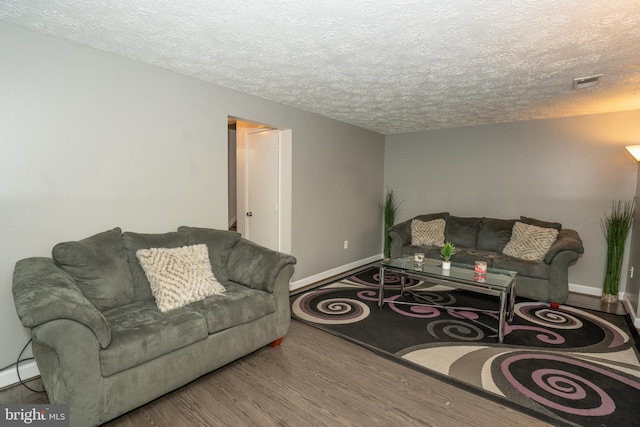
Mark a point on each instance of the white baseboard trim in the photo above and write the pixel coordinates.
(585, 290)
(333, 272)
(9, 377)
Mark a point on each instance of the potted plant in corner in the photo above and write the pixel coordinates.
(390, 209)
(447, 251)
(616, 228)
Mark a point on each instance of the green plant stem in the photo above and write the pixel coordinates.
(616, 227)
(390, 210)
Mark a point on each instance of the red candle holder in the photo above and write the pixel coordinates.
(481, 267)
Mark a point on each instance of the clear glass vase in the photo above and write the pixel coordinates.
(612, 276)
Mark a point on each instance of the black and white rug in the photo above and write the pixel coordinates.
(569, 367)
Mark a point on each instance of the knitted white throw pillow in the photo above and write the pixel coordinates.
(430, 233)
(529, 242)
(179, 276)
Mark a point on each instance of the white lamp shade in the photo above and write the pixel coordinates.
(634, 150)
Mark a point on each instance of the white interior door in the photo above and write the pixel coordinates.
(262, 187)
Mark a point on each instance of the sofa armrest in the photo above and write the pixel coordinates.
(42, 292)
(400, 235)
(401, 232)
(568, 240)
(255, 266)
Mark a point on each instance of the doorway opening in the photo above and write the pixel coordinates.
(260, 183)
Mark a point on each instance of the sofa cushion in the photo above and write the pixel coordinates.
(135, 241)
(99, 266)
(539, 223)
(140, 332)
(529, 242)
(430, 252)
(462, 256)
(219, 243)
(470, 255)
(537, 269)
(462, 231)
(494, 234)
(179, 276)
(427, 233)
(239, 304)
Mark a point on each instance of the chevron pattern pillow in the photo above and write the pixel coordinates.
(179, 276)
(529, 242)
(430, 233)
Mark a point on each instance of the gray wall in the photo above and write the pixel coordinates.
(91, 141)
(566, 170)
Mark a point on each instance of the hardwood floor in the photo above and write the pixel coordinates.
(20, 394)
(594, 303)
(314, 379)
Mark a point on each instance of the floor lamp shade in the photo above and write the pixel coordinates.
(634, 150)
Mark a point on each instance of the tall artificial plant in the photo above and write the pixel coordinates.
(616, 227)
(390, 210)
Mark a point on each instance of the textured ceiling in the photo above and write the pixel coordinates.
(391, 66)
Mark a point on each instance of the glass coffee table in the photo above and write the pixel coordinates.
(496, 282)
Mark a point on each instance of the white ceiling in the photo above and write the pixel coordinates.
(391, 66)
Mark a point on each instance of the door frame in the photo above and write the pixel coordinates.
(285, 180)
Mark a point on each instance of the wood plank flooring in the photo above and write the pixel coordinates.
(313, 379)
(20, 394)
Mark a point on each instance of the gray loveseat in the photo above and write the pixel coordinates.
(484, 239)
(103, 346)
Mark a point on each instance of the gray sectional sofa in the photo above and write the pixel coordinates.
(484, 239)
(100, 341)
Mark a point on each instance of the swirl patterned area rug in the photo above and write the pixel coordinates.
(568, 367)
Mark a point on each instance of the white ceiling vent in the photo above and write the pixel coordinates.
(585, 82)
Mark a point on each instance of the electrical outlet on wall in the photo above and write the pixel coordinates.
(346, 244)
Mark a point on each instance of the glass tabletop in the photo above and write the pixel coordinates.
(465, 273)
